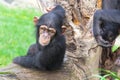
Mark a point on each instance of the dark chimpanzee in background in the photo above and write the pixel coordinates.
(106, 23)
(49, 50)
(106, 26)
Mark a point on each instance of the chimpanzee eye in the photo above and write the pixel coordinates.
(42, 28)
(52, 31)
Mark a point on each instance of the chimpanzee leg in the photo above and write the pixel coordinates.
(26, 61)
(29, 62)
(97, 29)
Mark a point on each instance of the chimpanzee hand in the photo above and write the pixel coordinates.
(102, 42)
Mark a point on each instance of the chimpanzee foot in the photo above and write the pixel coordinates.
(117, 62)
(102, 42)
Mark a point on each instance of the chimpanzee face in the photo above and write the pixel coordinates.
(46, 34)
(49, 27)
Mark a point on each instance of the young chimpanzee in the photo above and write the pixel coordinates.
(106, 22)
(49, 50)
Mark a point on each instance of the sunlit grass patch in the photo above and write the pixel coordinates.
(17, 32)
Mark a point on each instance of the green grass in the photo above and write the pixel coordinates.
(107, 73)
(17, 32)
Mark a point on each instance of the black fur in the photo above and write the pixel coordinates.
(48, 57)
(106, 22)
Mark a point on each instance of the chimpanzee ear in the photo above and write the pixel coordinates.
(63, 29)
(35, 20)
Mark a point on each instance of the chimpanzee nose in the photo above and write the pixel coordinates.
(45, 34)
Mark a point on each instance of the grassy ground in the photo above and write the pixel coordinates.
(17, 32)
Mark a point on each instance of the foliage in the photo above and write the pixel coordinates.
(116, 44)
(108, 74)
(16, 32)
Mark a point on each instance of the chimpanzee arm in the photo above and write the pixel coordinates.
(33, 50)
